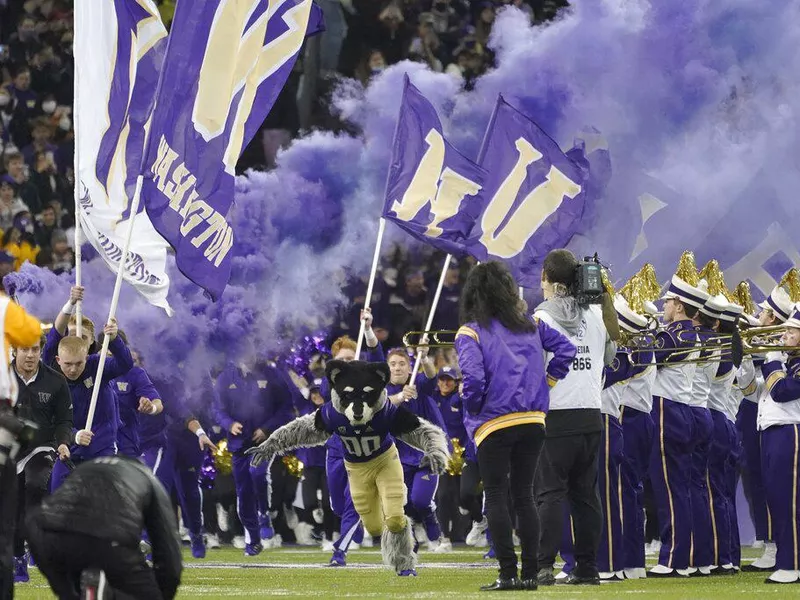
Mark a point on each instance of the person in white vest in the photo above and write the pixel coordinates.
(569, 463)
(775, 310)
(779, 422)
(670, 464)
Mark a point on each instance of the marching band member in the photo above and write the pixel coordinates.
(722, 449)
(670, 465)
(775, 310)
(448, 401)
(636, 402)
(779, 423)
(705, 321)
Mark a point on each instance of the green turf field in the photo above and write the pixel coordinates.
(301, 573)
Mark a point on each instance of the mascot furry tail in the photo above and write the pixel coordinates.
(397, 548)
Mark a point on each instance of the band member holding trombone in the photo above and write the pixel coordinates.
(775, 310)
(671, 465)
(779, 422)
(501, 353)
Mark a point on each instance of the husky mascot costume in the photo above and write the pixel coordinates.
(361, 415)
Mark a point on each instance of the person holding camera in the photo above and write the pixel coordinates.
(17, 328)
(569, 464)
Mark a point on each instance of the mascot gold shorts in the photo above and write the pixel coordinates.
(378, 491)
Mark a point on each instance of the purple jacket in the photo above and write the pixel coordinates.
(130, 387)
(422, 406)
(258, 400)
(505, 383)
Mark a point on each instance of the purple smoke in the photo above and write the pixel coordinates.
(694, 100)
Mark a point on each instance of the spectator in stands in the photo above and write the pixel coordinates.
(17, 171)
(6, 266)
(49, 183)
(373, 65)
(42, 134)
(10, 203)
(45, 226)
(19, 243)
(62, 257)
(483, 27)
(393, 34)
(425, 46)
(23, 44)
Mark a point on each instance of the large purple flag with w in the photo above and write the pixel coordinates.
(226, 63)
(534, 194)
(433, 192)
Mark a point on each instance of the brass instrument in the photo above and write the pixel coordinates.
(757, 334)
(430, 339)
(634, 341)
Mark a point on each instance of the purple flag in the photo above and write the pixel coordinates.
(534, 195)
(433, 192)
(226, 63)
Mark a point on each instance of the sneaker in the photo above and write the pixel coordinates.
(766, 562)
(612, 576)
(184, 533)
(302, 534)
(253, 549)
(339, 559)
(478, 529)
(545, 577)
(783, 576)
(444, 546)
(562, 575)
(367, 541)
(662, 571)
(327, 545)
(198, 545)
(483, 542)
(408, 573)
(212, 541)
(238, 542)
(21, 570)
(636, 573)
(265, 529)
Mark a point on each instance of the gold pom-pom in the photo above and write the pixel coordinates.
(791, 283)
(687, 268)
(293, 465)
(633, 294)
(651, 288)
(744, 298)
(712, 274)
(456, 464)
(223, 458)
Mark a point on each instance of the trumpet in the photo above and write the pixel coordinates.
(635, 341)
(430, 339)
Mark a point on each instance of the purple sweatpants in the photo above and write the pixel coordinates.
(252, 494)
(780, 465)
(637, 431)
(753, 479)
(342, 503)
(421, 507)
(671, 476)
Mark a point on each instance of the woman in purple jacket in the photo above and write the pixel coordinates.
(501, 353)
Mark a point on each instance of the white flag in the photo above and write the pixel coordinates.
(119, 52)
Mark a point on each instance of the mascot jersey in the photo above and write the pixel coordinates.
(362, 443)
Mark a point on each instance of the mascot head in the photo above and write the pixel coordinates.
(358, 389)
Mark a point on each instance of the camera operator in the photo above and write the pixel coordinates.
(17, 328)
(576, 306)
(44, 399)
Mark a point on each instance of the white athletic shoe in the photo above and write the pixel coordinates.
(367, 541)
(184, 533)
(478, 530)
(562, 576)
(767, 560)
(483, 542)
(757, 545)
(238, 542)
(327, 545)
(784, 576)
(444, 546)
(636, 573)
(212, 541)
(303, 534)
(612, 576)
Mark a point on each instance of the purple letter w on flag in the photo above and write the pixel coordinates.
(433, 192)
(535, 195)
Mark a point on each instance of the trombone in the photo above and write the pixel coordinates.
(444, 338)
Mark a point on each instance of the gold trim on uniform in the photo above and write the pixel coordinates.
(526, 418)
(551, 381)
(751, 389)
(774, 378)
(468, 331)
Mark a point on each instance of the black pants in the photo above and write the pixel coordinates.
(63, 556)
(447, 500)
(314, 480)
(34, 484)
(568, 469)
(471, 491)
(8, 525)
(508, 459)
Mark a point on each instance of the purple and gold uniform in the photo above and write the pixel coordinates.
(106, 416)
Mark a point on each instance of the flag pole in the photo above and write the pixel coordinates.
(431, 313)
(375, 259)
(77, 193)
(112, 311)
